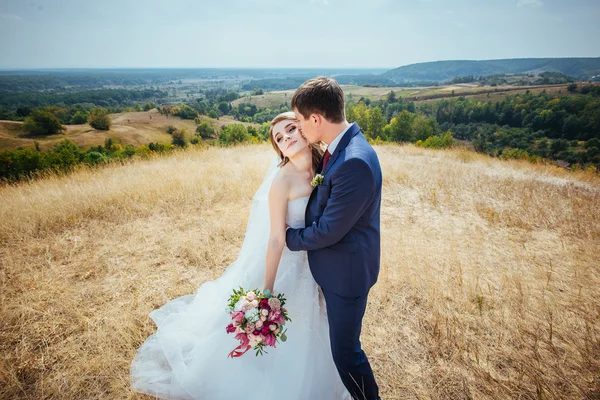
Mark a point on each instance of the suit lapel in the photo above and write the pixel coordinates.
(350, 133)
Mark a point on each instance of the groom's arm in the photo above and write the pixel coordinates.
(351, 191)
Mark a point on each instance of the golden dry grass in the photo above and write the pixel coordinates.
(489, 284)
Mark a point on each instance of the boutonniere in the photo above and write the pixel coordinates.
(317, 180)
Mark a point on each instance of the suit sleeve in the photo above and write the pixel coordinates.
(352, 188)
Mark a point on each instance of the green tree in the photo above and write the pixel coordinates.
(232, 134)
(375, 122)
(99, 119)
(68, 153)
(391, 98)
(179, 138)
(149, 106)
(205, 130)
(43, 123)
(79, 118)
(424, 127)
(400, 128)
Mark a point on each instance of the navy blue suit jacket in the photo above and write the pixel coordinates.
(342, 234)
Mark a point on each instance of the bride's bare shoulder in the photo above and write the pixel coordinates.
(281, 184)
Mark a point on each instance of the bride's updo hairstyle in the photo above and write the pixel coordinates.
(315, 148)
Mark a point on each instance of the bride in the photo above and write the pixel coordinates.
(187, 356)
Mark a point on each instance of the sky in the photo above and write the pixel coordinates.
(290, 33)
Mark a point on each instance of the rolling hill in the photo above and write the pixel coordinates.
(579, 68)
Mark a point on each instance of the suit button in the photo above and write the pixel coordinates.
(314, 223)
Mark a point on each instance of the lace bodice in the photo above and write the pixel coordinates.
(295, 212)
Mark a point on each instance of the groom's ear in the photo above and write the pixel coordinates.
(316, 119)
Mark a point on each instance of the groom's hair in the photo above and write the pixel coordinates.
(320, 95)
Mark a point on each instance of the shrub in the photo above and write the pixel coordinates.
(178, 138)
(515, 154)
(143, 151)
(79, 118)
(232, 134)
(99, 119)
(43, 123)
(438, 142)
(205, 130)
(94, 158)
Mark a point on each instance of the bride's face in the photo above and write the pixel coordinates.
(288, 137)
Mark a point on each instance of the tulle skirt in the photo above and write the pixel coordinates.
(187, 356)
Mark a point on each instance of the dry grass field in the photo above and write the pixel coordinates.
(135, 128)
(489, 284)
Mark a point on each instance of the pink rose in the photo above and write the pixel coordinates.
(276, 331)
(254, 303)
(251, 296)
(272, 327)
(265, 330)
(265, 312)
(230, 328)
(237, 316)
(259, 324)
(270, 340)
(263, 318)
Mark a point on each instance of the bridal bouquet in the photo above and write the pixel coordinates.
(257, 320)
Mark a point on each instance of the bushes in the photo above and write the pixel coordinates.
(232, 134)
(438, 142)
(205, 131)
(178, 138)
(79, 118)
(43, 123)
(99, 119)
(26, 163)
(185, 112)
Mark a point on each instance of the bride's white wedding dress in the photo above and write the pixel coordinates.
(187, 356)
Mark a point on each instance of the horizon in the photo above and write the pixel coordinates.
(342, 68)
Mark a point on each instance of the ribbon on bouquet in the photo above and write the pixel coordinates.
(237, 352)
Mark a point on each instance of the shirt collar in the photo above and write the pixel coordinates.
(336, 141)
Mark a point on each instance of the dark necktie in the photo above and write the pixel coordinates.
(325, 158)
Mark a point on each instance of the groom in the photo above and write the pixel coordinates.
(342, 226)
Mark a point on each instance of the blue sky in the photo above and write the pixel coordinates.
(290, 33)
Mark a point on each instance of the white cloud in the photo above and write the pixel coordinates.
(11, 17)
(530, 3)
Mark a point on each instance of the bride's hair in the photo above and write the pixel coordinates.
(315, 148)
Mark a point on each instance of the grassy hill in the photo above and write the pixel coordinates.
(488, 286)
(135, 128)
(580, 68)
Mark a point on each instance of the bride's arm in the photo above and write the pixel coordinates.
(278, 199)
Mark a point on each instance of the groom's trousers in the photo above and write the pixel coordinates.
(345, 316)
